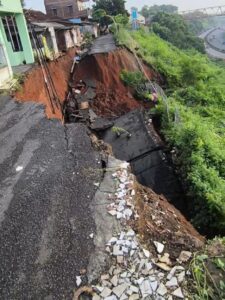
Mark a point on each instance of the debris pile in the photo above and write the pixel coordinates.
(122, 206)
(77, 102)
(159, 220)
(113, 98)
(135, 272)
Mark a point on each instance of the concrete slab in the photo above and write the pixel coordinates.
(138, 144)
(148, 161)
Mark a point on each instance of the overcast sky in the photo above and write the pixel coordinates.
(182, 4)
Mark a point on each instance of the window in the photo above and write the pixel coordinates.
(12, 33)
(54, 12)
(70, 9)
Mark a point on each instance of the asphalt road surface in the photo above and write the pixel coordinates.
(214, 42)
(46, 189)
(103, 44)
(216, 38)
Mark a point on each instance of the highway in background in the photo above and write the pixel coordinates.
(215, 42)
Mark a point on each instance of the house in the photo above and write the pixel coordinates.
(86, 27)
(67, 9)
(54, 34)
(15, 45)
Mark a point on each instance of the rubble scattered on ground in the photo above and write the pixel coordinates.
(135, 272)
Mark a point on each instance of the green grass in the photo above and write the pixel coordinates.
(196, 92)
(208, 270)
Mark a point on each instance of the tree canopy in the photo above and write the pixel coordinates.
(150, 11)
(174, 29)
(111, 7)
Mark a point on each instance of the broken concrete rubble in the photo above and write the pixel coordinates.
(135, 273)
(159, 247)
(184, 256)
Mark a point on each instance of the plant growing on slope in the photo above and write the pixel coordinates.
(119, 131)
(208, 271)
(132, 79)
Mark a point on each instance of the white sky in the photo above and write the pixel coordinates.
(182, 4)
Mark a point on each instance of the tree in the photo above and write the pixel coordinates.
(145, 11)
(100, 16)
(150, 11)
(111, 7)
(174, 29)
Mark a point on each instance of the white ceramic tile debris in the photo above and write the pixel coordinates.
(135, 273)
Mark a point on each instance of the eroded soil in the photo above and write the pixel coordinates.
(113, 98)
(161, 221)
(34, 88)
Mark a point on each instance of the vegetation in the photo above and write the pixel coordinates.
(174, 29)
(132, 79)
(111, 7)
(198, 22)
(119, 131)
(208, 270)
(192, 121)
(88, 39)
(100, 16)
(149, 11)
(137, 81)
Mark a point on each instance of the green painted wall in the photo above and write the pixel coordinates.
(13, 7)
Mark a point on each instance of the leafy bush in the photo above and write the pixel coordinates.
(132, 79)
(135, 80)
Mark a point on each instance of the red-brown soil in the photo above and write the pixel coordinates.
(113, 97)
(34, 86)
(160, 221)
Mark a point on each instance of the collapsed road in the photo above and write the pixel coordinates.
(59, 210)
(144, 149)
(146, 153)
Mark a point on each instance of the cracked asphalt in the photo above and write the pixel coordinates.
(103, 44)
(46, 190)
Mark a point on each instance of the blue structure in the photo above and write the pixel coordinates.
(75, 21)
(134, 18)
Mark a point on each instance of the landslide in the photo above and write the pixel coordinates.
(34, 88)
(113, 98)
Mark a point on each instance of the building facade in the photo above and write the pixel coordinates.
(67, 9)
(15, 45)
(14, 33)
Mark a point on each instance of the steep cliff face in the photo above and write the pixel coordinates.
(34, 88)
(113, 97)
